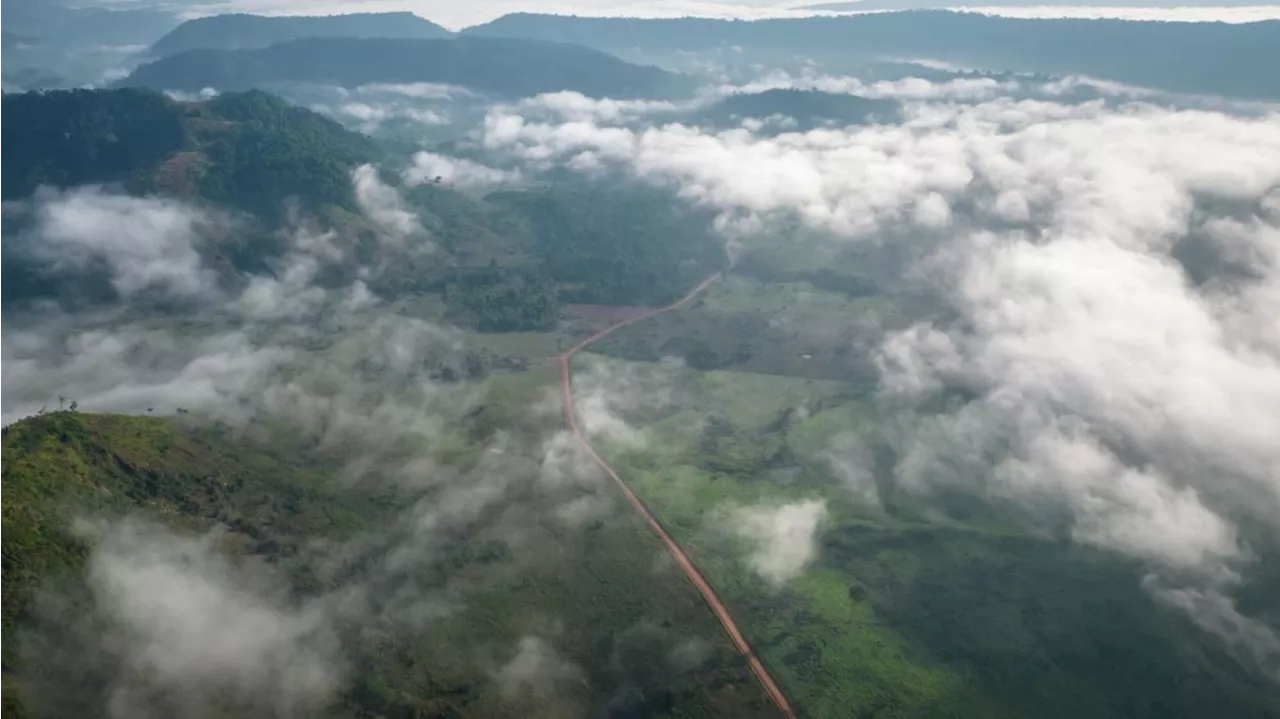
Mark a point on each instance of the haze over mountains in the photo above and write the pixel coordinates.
(900, 366)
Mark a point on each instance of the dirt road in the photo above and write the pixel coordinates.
(686, 565)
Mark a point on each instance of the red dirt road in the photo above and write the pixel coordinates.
(686, 565)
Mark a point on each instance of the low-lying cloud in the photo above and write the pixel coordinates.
(429, 167)
(192, 631)
(783, 537)
(143, 243)
(1107, 272)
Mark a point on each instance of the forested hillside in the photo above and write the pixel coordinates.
(241, 31)
(250, 151)
(509, 67)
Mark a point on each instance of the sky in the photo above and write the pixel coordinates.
(456, 15)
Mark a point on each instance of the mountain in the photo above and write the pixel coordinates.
(58, 22)
(500, 66)
(241, 31)
(293, 571)
(247, 150)
(803, 109)
(1212, 58)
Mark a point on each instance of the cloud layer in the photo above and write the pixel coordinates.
(1105, 271)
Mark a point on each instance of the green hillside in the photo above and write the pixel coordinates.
(250, 151)
(240, 31)
(282, 508)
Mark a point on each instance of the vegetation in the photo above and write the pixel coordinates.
(500, 66)
(915, 607)
(278, 503)
(250, 151)
(498, 300)
(619, 245)
(240, 31)
(274, 152)
(77, 137)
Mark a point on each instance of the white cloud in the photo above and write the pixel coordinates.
(144, 243)
(132, 370)
(193, 628)
(906, 89)
(455, 171)
(382, 204)
(536, 669)
(783, 537)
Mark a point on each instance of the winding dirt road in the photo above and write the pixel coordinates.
(762, 674)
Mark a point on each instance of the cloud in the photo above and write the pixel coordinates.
(382, 204)
(191, 630)
(132, 370)
(964, 89)
(1107, 273)
(143, 243)
(461, 172)
(536, 670)
(782, 537)
(574, 106)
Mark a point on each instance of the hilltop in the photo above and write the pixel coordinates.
(506, 67)
(240, 31)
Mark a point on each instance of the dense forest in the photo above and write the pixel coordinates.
(507, 67)
(238, 31)
(617, 245)
(250, 151)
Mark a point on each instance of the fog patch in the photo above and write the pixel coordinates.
(783, 537)
(143, 243)
(192, 631)
(536, 671)
(429, 167)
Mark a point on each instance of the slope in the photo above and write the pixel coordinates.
(241, 31)
(249, 151)
(496, 65)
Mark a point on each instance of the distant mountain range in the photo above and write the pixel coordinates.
(501, 66)
(247, 32)
(52, 21)
(1211, 58)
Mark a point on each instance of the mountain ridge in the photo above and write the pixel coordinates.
(239, 31)
(502, 66)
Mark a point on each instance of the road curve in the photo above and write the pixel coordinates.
(673, 547)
